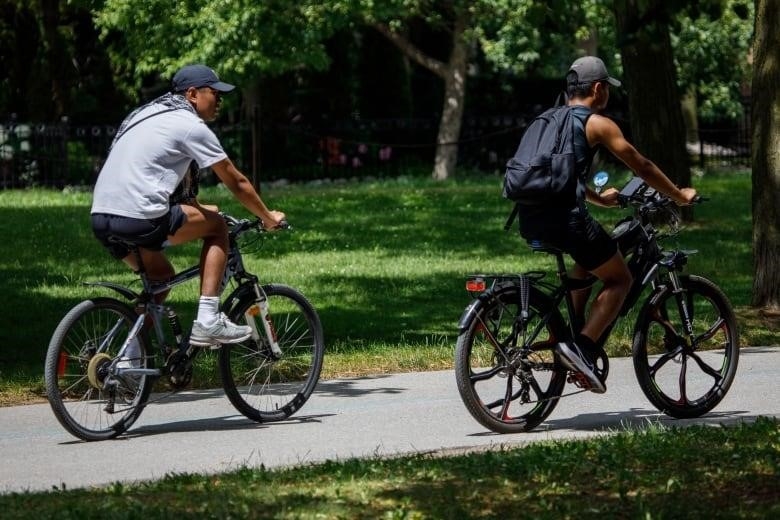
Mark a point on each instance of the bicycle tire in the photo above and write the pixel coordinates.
(485, 377)
(261, 387)
(72, 355)
(662, 358)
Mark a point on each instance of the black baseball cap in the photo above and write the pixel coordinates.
(590, 69)
(198, 76)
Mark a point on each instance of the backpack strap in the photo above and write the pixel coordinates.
(562, 99)
(512, 217)
(141, 121)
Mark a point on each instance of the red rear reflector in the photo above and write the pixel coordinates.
(475, 285)
(62, 364)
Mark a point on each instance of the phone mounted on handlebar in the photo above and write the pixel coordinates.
(637, 190)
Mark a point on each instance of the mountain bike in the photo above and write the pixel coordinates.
(97, 392)
(685, 345)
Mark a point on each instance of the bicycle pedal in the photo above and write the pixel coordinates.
(579, 380)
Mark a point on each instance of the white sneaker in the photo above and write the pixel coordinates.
(222, 331)
(574, 359)
(132, 356)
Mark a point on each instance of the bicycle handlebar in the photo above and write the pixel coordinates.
(646, 199)
(239, 226)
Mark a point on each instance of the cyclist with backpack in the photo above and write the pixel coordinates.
(564, 222)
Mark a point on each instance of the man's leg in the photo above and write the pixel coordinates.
(616, 279)
(211, 227)
(580, 298)
(211, 327)
(156, 265)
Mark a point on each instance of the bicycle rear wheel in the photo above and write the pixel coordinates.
(505, 367)
(265, 386)
(77, 362)
(685, 380)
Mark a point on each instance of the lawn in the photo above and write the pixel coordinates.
(384, 262)
(652, 473)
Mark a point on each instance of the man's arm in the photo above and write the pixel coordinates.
(604, 131)
(243, 190)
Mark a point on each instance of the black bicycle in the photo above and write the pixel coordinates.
(97, 392)
(685, 344)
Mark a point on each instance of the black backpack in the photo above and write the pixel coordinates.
(543, 169)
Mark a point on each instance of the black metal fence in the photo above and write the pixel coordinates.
(62, 154)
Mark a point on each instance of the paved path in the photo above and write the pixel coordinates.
(385, 415)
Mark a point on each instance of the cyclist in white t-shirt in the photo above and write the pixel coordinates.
(150, 156)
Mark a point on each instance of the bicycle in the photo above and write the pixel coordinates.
(97, 393)
(685, 344)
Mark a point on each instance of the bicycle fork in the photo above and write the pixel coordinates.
(261, 308)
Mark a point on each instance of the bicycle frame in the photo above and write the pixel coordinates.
(145, 305)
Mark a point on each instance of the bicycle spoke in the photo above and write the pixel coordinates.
(483, 376)
(708, 335)
(707, 369)
(682, 379)
(663, 360)
(507, 399)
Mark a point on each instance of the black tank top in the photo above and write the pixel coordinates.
(584, 153)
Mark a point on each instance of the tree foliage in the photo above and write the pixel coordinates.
(244, 37)
(711, 48)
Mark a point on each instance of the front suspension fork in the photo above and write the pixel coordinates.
(261, 308)
(682, 307)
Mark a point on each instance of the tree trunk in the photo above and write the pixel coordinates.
(766, 156)
(55, 53)
(453, 73)
(650, 79)
(452, 110)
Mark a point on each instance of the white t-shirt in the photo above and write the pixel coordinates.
(150, 160)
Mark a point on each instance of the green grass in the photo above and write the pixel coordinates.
(383, 262)
(653, 473)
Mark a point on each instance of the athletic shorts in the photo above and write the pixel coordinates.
(574, 231)
(149, 234)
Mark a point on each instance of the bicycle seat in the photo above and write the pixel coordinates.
(544, 247)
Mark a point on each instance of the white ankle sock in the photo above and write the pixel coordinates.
(208, 310)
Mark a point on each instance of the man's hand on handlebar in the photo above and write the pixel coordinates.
(609, 197)
(277, 220)
(689, 197)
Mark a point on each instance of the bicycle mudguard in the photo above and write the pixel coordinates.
(474, 308)
(469, 312)
(121, 289)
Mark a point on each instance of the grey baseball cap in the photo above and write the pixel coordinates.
(198, 76)
(590, 69)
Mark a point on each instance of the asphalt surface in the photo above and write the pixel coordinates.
(200, 432)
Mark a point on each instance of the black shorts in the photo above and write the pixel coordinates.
(149, 234)
(573, 231)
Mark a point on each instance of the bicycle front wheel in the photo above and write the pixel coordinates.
(685, 378)
(265, 385)
(77, 364)
(505, 366)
